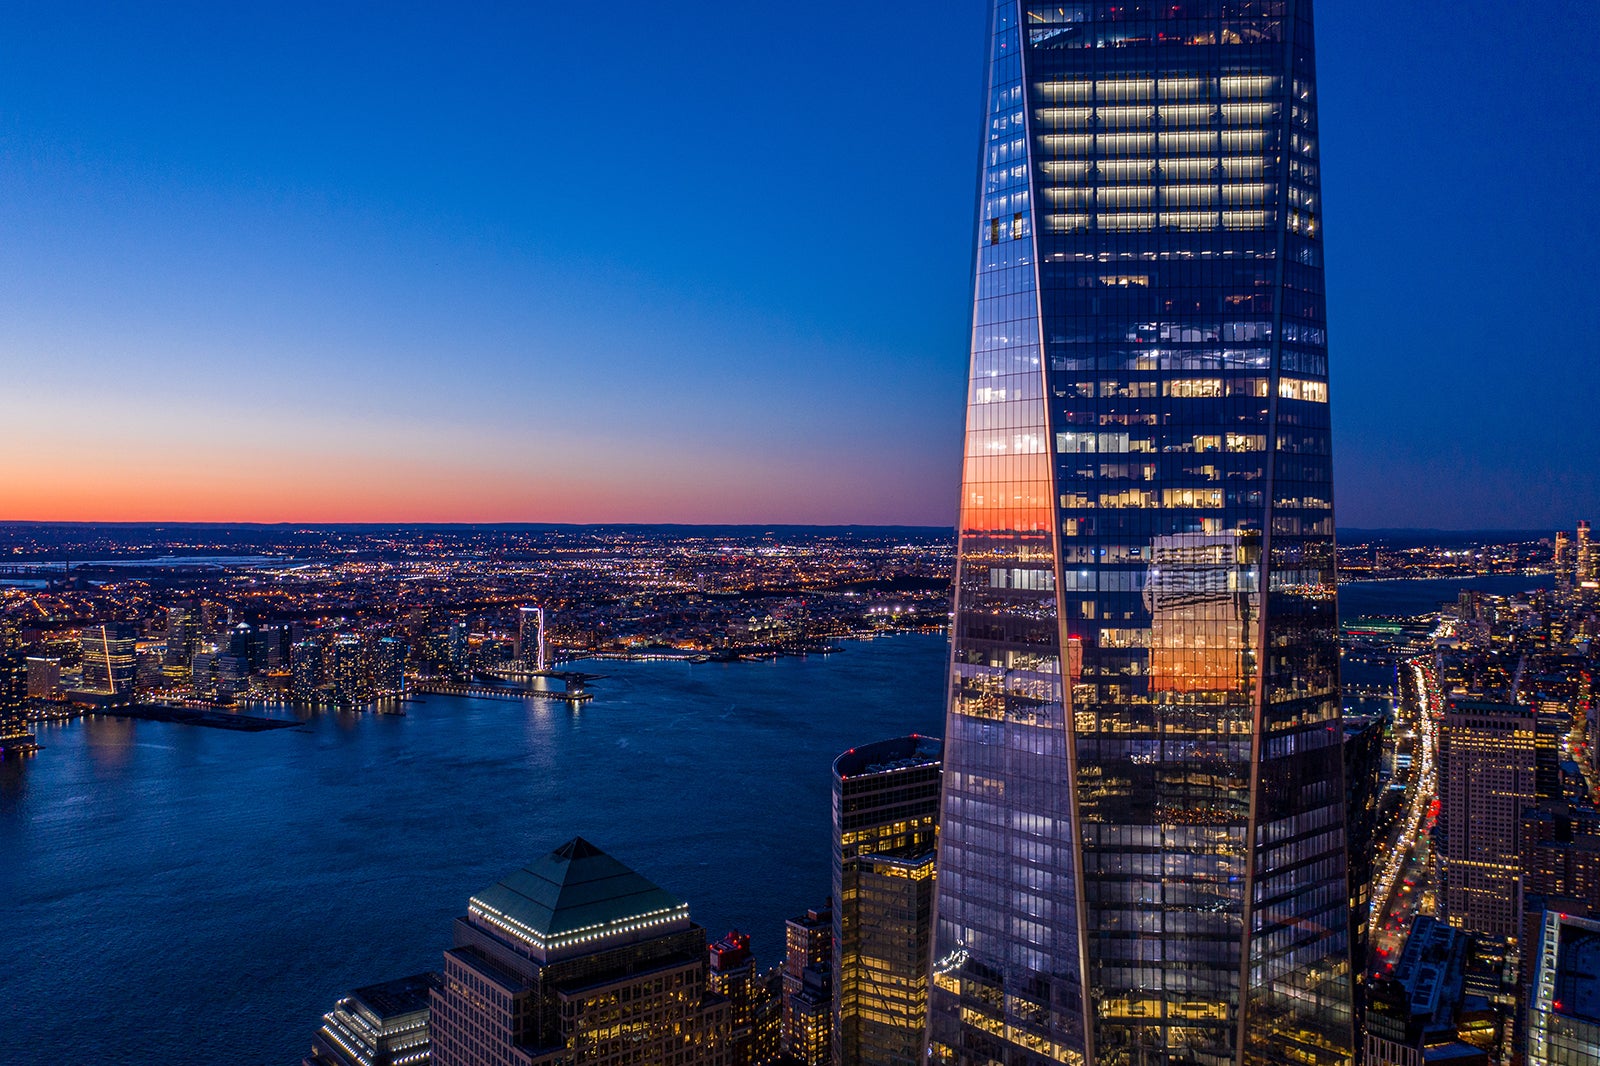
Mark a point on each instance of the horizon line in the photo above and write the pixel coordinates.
(537, 525)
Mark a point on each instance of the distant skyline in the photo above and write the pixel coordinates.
(655, 263)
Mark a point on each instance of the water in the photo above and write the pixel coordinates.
(1421, 595)
(185, 895)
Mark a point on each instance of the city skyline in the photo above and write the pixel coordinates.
(530, 266)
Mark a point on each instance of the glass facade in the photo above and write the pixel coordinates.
(885, 829)
(1142, 853)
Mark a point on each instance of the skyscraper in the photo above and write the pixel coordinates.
(1585, 561)
(885, 828)
(576, 960)
(1142, 854)
(1487, 775)
(108, 658)
(530, 637)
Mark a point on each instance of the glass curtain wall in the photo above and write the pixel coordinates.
(1143, 808)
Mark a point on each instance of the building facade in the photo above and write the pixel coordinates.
(108, 658)
(885, 835)
(806, 1029)
(754, 999)
(1142, 853)
(1564, 1008)
(576, 960)
(1487, 778)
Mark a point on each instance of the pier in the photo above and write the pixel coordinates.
(500, 690)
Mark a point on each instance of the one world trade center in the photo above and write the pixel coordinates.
(1142, 855)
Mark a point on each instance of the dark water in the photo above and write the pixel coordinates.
(1360, 598)
(182, 895)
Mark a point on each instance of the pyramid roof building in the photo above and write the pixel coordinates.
(576, 900)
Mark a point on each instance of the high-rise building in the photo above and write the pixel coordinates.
(108, 658)
(530, 637)
(1142, 852)
(1486, 779)
(389, 666)
(885, 836)
(1561, 559)
(14, 691)
(182, 635)
(456, 646)
(305, 671)
(349, 672)
(576, 960)
(380, 1025)
(1585, 565)
(807, 1025)
(753, 1000)
(1564, 1008)
(44, 677)
(809, 1012)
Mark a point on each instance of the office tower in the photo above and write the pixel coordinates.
(885, 835)
(577, 960)
(1486, 779)
(1142, 852)
(1561, 559)
(807, 1032)
(108, 658)
(380, 1025)
(1564, 1009)
(305, 671)
(1585, 560)
(530, 637)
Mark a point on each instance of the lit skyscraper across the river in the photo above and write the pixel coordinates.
(1143, 847)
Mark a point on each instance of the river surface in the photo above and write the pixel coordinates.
(180, 895)
(1421, 595)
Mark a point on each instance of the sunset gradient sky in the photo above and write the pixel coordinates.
(688, 262)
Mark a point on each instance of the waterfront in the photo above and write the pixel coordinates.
(189, 895)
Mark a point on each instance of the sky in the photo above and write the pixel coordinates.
(650, 261)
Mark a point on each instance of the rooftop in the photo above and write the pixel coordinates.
(405, 995)
(899, 753)
(1577, 988)
(575, 894)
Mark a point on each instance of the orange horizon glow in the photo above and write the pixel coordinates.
(415, 494)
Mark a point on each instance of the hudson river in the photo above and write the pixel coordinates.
(185, 895)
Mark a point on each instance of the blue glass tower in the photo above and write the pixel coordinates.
(1142, 856)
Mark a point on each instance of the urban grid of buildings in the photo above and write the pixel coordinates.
(1179, 814)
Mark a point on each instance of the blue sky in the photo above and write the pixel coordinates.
(664, 262)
